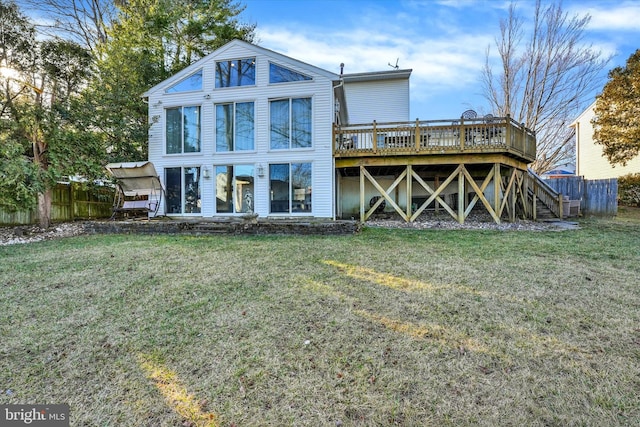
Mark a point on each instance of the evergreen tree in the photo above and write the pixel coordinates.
(150, 41)
(41, 141)
(617, 113)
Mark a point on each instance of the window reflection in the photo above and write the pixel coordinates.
(290, 123)
(234, 189)
(290, 187)
(182, 130)
(237, 72)
(183, 190)
(235, 126)
(280, 74)
(193, 82)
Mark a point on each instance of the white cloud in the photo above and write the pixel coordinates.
(615, 17)
(439, 64)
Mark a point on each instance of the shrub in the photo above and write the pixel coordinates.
(629, 189)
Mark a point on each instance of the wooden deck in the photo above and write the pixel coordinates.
(407, 167)
(494, 135)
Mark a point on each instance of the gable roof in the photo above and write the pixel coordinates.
(586, 111)
(185, 72)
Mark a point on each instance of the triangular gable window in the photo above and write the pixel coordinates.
(191, 83)
(279, 74)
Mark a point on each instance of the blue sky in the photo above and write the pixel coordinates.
(443, 41)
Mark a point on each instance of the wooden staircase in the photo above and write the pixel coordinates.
(546, 201)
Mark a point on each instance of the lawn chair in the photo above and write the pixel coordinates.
(138, 189)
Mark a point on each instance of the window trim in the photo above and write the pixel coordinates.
(215, 192)
(215, 73)
(182, 152)
(200, 70)
(291, 212)
(309, 80)
(215, 133)
(290, 148)
(182, 189)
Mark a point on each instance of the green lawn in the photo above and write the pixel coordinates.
(388, 327)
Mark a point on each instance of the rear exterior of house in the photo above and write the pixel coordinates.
(244, 130)
(590, 161)
(247, 130)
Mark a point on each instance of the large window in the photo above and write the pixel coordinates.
(280, 74)
(183, 190)
(238, 72)
(191, 83)
(235, 126)
(290, 187)
(234, 189)
(290, 123)
(183, 130)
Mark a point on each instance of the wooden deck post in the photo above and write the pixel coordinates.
(361, 193)
(461, 196)
(417, 135)
(409, 191)
(334, 138)
(436, 184)
(496, 188)
(512, 214)
(375, 137)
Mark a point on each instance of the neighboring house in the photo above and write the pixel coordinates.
(248, 130)
(559, 172)
(590, 161)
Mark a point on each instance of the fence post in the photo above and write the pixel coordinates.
(71, 201)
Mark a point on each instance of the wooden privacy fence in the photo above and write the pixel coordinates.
(598, 197)
(69, 202)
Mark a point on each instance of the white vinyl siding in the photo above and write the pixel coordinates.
(319, 90)
(379, 100)
(590, 162)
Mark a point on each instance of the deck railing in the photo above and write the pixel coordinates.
(495, 134)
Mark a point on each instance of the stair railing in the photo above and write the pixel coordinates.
(543, 192)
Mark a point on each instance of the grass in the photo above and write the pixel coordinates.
(389, 327)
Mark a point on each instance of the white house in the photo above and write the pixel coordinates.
(590, 161)
(246, 129)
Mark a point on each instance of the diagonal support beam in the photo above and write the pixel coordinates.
(480, 195)
(506, 191)
(521, 190)
(426, 203)
(435, 195)
(385, 194)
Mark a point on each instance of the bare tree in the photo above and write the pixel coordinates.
(545, 77)
(82, 21)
